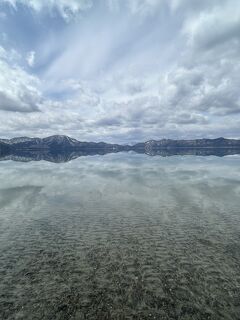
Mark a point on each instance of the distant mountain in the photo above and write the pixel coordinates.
(197, 143)
(63, 142)
(62, 148)
(54, 143)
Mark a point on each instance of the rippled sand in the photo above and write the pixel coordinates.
(120, 237)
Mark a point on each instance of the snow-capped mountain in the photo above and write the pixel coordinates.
(54, 142)
(60, 142)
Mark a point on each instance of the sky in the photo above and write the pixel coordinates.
(120, 70)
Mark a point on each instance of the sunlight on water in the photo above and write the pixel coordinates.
(120, 236)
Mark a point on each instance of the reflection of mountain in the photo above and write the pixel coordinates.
(63, 149)
(68, 155)
(4, 148)
(50, 155)
(219, 152)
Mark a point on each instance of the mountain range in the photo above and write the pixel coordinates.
(62, 148)
(65, 142)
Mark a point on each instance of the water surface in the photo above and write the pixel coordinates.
(120, 236)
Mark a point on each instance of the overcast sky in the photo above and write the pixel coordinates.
(120, 70)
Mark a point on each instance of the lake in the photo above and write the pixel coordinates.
(120, 236)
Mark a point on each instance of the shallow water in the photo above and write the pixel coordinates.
(120, 236)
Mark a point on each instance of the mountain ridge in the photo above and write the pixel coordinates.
(64, 142)
(63, 148)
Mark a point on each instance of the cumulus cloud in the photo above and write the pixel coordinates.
(205, 88)
(18, 90)
(214, 27)
(127, 71)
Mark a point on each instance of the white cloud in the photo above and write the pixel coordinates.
(3, 53)
(31, 58)
(117, 75)
(214, 27)
(18, 90)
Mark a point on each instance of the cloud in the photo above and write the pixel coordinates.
(66, 8)
(31, 58)
(131, 71)
(135, 7)
(214, 27)
(109, 122)
(189, 119)
(26, 103)
(144, 7)
(189, 7)
(18, 90)
(209, 89)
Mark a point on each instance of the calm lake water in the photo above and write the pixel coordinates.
(121, 236)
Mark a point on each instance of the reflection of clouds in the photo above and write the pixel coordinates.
(121, 176)
(17, 204)
(57, 217)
